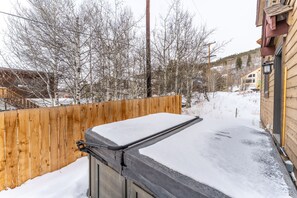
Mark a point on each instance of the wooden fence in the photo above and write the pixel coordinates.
(37, 141)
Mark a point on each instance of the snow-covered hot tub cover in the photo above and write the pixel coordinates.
(211, 158)
(124, 132)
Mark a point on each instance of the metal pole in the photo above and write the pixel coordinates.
(148, 52)
(209, 55)
(209, 70)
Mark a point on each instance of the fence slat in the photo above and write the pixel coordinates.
(168, 104)
(45, 141)
(163, 104)
(54, 146)
(118, 111)
(88, 122)
(135, 108)
(129, 112)
(107, 113)
(89, 119)
(70, 140)
(37, 141)
(2, 153)
(179, 104)
(62, 137)
(124, 109)
(10, 119)
(94, 115)
(155, 105)
(172, 107)
(100, 114)
(83, 122)
(23, 137)
(76, 129)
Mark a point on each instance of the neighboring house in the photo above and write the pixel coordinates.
(251, 81)
(28, 84)
(17, 87)
(279, 89)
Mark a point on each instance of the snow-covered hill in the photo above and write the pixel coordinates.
(223, 105)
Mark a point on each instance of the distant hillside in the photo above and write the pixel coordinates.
(250, 60)
(234, 56)
(238, 65)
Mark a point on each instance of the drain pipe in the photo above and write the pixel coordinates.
(283, 152)
(290, 168)
(288, 163)
(284, 107)
(293, 176)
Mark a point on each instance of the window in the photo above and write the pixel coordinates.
(248, 81)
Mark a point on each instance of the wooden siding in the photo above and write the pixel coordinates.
(38, 141)
(267, 104)
(289, 61)
(290, 57)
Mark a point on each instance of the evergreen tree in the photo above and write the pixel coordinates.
(238, 63)
(249, 61)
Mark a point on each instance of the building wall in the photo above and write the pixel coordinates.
(290, 58)
(27, 84)
(290, 64)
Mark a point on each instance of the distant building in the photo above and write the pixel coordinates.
(251, 81)
(26, 83)
(251, 60)
(18, 87)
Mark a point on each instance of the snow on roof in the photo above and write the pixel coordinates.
(130, 130)
(218, 68)
(226, 155)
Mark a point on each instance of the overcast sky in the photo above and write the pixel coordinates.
(233, 19)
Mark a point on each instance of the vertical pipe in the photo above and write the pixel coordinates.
(209, 55)
(148, 52)
(209, 83)
(284, 108)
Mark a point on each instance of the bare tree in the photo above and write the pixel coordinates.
(179, 50)
(95, 50)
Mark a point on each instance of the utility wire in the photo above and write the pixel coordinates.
(21, 17)
(193, 1)
(43, 23)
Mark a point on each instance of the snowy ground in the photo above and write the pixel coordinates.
(223, 105)
(72, 180)
(8, 107)
(68, 182)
